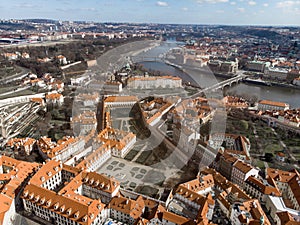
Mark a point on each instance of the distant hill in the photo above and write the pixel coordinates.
(263, 33)
(15, 26)
(41, 21)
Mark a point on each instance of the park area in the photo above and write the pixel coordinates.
(265, 141)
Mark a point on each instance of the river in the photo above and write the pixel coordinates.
(273, 93)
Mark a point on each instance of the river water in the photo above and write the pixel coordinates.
(273, 93)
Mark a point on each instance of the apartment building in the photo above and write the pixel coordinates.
(276, 73)
(260, 188)
(241, 171)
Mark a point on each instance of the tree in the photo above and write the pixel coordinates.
(268, 157)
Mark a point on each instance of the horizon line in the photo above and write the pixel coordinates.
(161, 23)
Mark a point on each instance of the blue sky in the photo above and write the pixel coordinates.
(240, 12)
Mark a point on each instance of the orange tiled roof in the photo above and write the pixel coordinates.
(53, 96)
(38, 100)
(273, 103)
(114, 138)
(191, 195)
(50, 169)
(52, 149)
(286, 219)
(279, 175)
(134, 208)
(81, 210)
(263, 188)
(121, 99)
(254, 208)
(19, 171)
(173, 218)
(18, 142)
(243, 167)
(200, 183)
(100, 181)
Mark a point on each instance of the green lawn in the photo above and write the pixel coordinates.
(272, 148)
(260, 164)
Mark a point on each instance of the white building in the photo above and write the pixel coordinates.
(69, 205)
(84, 122)
(112, 87)
(288, 183)
(154, 82)
(258, 66)
(260, 189)
(54, 98)
(275, 204)
(88, 100)
(97, 186)
(241, 171)
(264, 105)
(277, 73)
(96, 158)
(62, 150)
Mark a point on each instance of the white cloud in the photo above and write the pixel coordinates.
(287, 4)
(266, 5)
(185, 9)
(89, 9)
(162, 4)
(241, 10)
(232, 3)
(220, 11)
(289, 7)
(25, 5)
(251, 3)
(212, 1)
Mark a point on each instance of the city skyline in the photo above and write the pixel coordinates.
(228, 12)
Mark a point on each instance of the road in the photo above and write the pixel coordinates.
(17, 76)
(14, 91)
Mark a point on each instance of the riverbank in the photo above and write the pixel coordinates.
(274, 92)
